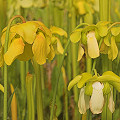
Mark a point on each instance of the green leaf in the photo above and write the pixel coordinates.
(85, 77)
(76, 35)
(74, 81)
(89, 88)
(115, 31)
(116, 115)
(106, 89)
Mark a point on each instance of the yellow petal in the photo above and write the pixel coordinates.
(1, 56)
(27, 54)
(13, 104)
(47, 31)
(93, 49)
(59, 47)
(39, 49)
(1, 88)
(114, 49)
(74, 81)
(11, 36)
(76, 35)
(80, 52)
(59, 31)
(84, 79)
(16, 48)
(83, 102)
(97, 98)
(51, 54)
(111, 104)
(104, 48)
(27, 31)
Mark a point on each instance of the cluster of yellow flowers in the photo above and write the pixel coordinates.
(97, 39)
(96, 87)
(93, 40)
(31, 40)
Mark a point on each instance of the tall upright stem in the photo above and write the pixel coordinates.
(105, 16)
(88, 19)
(22, 75)
(38, 91)
(5, 65)
(57, 82)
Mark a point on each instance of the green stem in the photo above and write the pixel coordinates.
(57, 82)
(22, 75)
(30, 98)
(105, 16)
(38, 91)
(5, 65)
(42, 76)
(74, 63)
(104, 10)
(27, 67)
(88, 18)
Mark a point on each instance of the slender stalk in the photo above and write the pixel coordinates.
(66, 93)
(38, 91)
(5, 65)
(74, 62)
(58, 77)
(56, 86)
(27, 67)
(89, 66)
(22, 75)
(89, 19)
(105, 16)
(30, 98)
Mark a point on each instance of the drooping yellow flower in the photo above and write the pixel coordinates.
(93, 49)
(92, 94)
(28, 40)
(91, 43)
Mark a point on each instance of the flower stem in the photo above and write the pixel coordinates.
(56, 85)
(74, 63)
(30, 98)
(5, 65)
(105, 16)
(22, 76)
(38, 91)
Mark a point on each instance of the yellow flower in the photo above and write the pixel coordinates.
(91, 42)
(29, 40)
(93, 49)
(96, 87)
